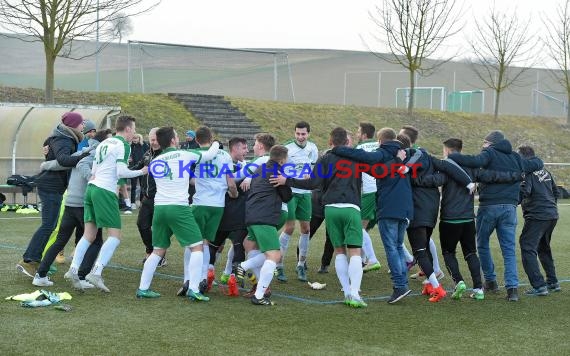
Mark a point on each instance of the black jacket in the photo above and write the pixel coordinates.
(148, 185)
(426, 198)
(62, 144)
(498, 157)
(234, 211)
(456, 201)
(539, 194)
(318, 209)
(137, 153)
(263, 204)
(328, 175)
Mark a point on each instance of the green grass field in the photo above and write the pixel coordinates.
(303, 321)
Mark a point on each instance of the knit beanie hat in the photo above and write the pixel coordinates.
(72, 119)
(495, 136)
(88, 126)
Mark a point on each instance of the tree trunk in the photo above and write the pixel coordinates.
(497, 99)
(411, 97)
(50, 78)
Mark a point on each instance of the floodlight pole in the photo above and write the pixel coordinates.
(97, 51)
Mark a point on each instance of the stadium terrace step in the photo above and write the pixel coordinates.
(220, 115)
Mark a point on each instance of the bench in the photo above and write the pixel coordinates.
(14, 189)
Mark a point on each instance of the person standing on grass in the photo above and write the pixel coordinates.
(457, 223)
(341, 198)
(394, 209)
(540, 212)
(138, 149)
(366, 142)
(262, 216)
(101, 205)
(497, 208)
(213, 179)
(52, 184)
(232, 225)
(303, 154)
(413, 133)
(261, 149)
(148, 191)
(172, 214)
(72, 219)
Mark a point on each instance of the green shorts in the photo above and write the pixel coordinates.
(265, 236)
(208, 219)
(368, 206)
(177, 220)
(300, 207)
(343, 226)
(101, 207)
(121, 181)
(282, 219)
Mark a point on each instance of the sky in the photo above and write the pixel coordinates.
(315, 24)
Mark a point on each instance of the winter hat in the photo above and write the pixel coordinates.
(72, 119)
(88, 126)
(494, 137)
(191, 133)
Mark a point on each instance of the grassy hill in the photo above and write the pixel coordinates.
(548, 136)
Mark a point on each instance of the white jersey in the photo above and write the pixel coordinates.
(252, 166)
(108, 154)
(171, 170)
(211, 184)
(368, 182)
(302, 158)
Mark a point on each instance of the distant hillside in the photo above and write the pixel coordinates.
(317, 76)
(548, 136)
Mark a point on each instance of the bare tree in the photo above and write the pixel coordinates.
(413, 30)
(502, 42)
(557, 43)
(121, 26)
(58, 23)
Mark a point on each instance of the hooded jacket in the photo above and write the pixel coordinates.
(539, 195)
(80, 175)
(498, 157)
(62, 144)
(263, 204)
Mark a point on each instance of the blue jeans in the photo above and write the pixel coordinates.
(392, 233)
(503, 218)
(51, 203)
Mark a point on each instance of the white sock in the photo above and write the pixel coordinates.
(105, 254)
(341, 267)
(187, 253)
(252, 262)
(265, 278)
(433, 280)
(229, 262)
(256, 271)
(148, 271)
(194, 269)
(80, 249)
(206, 261)
(284, 245)
(355, 275)
(128, 202)
(303, 249)
(367, 248)
(408, 255)
(433, 251)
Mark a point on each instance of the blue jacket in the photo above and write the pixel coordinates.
(498, 157)
(394, 194)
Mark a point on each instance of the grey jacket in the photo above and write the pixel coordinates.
(80, 175)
